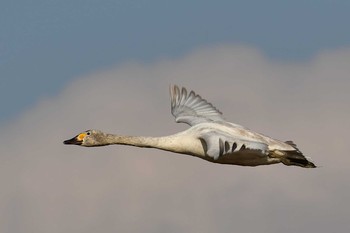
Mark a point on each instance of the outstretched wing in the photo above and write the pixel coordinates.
(218, 144)
(191, 108)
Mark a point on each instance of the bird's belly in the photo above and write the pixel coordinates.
(244, 158)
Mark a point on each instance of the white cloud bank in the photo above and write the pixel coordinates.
(49, 187)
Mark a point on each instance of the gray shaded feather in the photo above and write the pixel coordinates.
(191, 108)
(217, 145)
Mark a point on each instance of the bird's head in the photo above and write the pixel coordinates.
(87, 138)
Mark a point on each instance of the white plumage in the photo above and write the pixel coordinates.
(210, 137)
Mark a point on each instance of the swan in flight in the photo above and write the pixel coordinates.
(210, 137)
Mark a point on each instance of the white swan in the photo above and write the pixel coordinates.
(210, 137)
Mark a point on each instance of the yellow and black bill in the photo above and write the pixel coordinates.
(77, 140)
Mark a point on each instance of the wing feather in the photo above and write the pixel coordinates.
(219, 144)
(191, 108)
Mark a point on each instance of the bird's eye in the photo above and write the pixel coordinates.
(88, 133)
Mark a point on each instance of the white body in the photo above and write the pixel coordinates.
(210, 137)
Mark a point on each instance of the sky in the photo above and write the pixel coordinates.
(67, 66)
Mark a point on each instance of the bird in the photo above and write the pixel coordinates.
(209, 137)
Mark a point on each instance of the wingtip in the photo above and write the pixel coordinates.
(173, 89)
(311, 163)
(176, 93)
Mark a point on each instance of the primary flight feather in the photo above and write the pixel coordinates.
(210, 137)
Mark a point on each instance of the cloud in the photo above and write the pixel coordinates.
(49, 187)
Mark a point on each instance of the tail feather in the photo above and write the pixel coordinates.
(296, 158)
(291, 143)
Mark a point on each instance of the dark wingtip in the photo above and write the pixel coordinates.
(302, 162)
(296, 158)
(311, 165)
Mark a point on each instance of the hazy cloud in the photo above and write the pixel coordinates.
(49, 187)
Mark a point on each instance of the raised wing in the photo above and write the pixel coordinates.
(219, 144)
(191, 108)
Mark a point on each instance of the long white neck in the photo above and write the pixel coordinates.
(175, 143)
(132, 140)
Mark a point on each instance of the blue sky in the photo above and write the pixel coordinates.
(46, 44)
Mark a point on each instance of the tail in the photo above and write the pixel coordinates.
(293, 157)
(296, 158)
